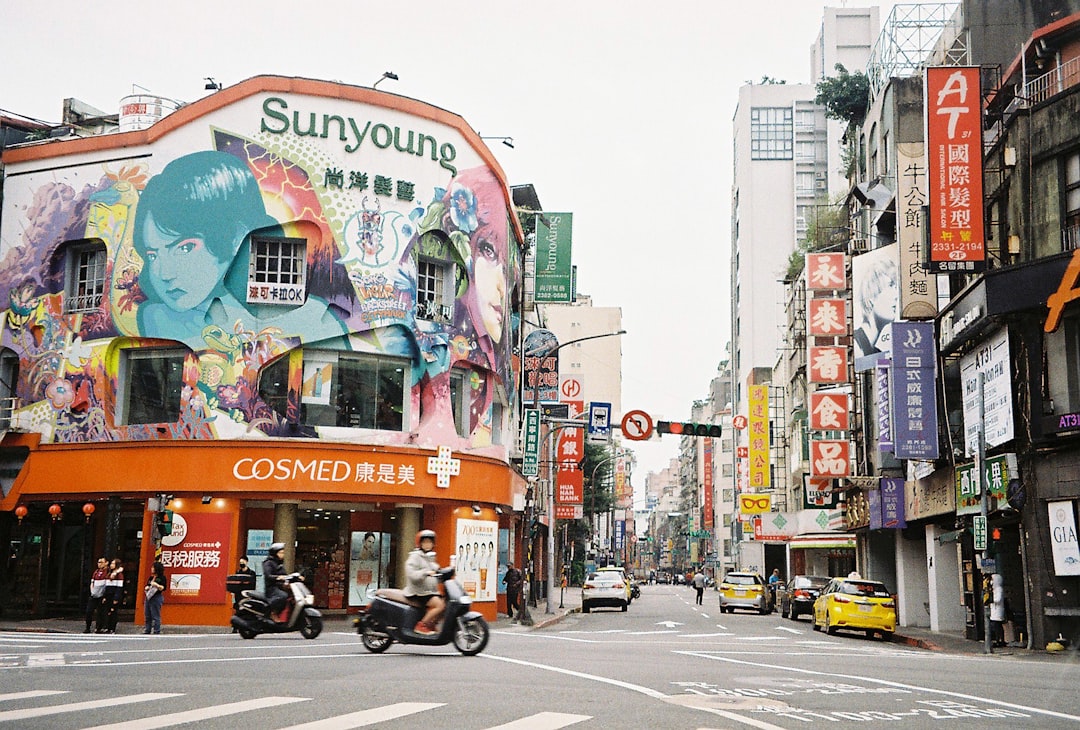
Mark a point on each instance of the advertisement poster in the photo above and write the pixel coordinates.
(875, 298)
(369, 565)
(258, 547)
(554, 273)
(478, 557)
(194, 557)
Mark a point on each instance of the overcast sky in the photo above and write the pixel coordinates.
(620, 112)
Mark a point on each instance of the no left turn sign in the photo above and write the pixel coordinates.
(637, 425)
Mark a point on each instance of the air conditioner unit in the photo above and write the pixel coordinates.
(858, 245)
(821, 184)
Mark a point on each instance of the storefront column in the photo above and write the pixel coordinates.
(913, 593)
(285, 529)
(408, 524)
(942, 574)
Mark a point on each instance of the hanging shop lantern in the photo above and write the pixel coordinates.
(20, 512)
(88, 510)
(54, 510)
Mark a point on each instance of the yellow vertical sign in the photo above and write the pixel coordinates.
(758, 428)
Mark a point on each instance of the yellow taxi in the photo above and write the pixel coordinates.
(744, 590)
(856, 604)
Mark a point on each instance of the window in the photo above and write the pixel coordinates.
(85, 277)
(459, 399)
(152, 381)
(431, 288)
(1071, 218)
(354, 390)
(9, 377)
(277, 271)
(771, 132)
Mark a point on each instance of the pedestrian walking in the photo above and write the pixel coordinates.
(997, 610)
(95, 605)
(699, 585)
(513, 581)
(114, 595)
(154, 592)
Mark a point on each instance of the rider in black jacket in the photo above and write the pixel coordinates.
(273, 575)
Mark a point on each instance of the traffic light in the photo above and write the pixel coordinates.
(163, 521)
(688, 429)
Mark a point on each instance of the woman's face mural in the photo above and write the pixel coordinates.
(489, 280)
(182, 271)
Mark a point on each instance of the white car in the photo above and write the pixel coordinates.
(604, 589)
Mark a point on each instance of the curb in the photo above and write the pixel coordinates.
(917, 643)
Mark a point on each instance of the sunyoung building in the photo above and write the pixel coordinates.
(283, 312)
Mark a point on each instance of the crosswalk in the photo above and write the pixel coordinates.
(37, 704)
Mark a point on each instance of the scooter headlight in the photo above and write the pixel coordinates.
(309, 599)
(465, 601)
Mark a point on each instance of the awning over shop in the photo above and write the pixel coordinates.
(828, 542)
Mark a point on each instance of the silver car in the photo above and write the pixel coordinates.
(604, 589)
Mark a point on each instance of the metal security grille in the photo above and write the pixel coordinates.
(87, 279)
(278, 261)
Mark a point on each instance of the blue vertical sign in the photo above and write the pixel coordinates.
(892, 503)
(914, 390)
(530, 465)
(884, 407)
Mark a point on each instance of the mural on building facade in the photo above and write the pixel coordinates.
(177, 243)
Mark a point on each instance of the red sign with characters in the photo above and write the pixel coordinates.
(830, 459)
(826, 271)
(826, 317)
(827, 364)
(955, 170)
(829, 411)
(194, 557)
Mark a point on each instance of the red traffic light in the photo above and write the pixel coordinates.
(688, 429)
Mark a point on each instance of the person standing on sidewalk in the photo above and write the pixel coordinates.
(699, 585)
(155, 597)
(114, 595)
(95, 605)
(513, 581)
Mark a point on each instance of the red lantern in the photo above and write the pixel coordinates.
(20, 512)
(54, 510)
(88, 510)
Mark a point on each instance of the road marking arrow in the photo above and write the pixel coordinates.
(669, 624)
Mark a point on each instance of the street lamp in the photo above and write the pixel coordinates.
(508, 141)
(550, 507)
(386, 75)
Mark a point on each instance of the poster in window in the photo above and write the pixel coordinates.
(477, 557)
(318, 378)
(369, 565)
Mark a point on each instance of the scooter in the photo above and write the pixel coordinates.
(391, 617)
(635, 590)
(253, 613)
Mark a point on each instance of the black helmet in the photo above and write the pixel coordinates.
(422, 534)
(275, 548)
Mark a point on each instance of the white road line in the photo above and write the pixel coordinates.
(705, 636)
(721, 627)
(225, 660)
(203, 713)
(704, 615)
(543, 721)
(80, 706)
(789, 630)
(888, 683)
(32, 693)
(368, 717)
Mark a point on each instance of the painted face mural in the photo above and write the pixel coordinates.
(180, 244)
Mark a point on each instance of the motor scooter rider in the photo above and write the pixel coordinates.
(274, 578)
(422, 585)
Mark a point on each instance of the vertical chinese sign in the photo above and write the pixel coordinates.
(193, 556)
(569, 479)
(707, 482)
(954, 162)
(914, 391)
(554, 273)
(827, 364)
(918, 287)
(541, 369)
(758, 426)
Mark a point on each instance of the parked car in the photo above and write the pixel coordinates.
(857, 604)
(797, 596)
(626, 580)
(603, 589)
(744, 590)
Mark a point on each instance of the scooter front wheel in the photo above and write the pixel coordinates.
(310, 626)
(471, 636)
(374, 640)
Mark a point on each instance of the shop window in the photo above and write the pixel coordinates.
(85, 276)
(1070, 219)
(274, 385)
(151, 381)
(277, 271)
(9, 378)
(354, 390)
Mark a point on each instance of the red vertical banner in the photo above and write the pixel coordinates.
(707, 482)
(954, 162)
(194, 557)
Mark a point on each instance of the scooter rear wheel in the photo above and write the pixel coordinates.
(311, 626)
(471, 636)
(246, 633)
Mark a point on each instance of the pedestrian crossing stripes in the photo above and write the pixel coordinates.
(163, 718)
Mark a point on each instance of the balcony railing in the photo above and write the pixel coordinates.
(1053, 82)
(1070, 238)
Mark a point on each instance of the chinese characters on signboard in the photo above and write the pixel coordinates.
(554, 274)
(914, 390)
(954, 161)
(918, 287)
(758, 427)
(194, 557)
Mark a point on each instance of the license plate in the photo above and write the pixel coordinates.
(740, 593)
(865, 608)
